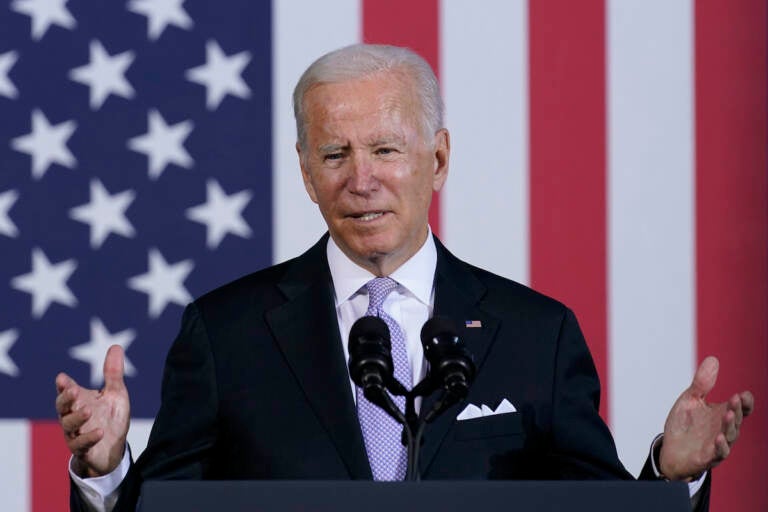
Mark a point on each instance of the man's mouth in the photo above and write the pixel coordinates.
(367, 216)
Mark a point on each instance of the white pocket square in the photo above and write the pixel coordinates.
(472, 411)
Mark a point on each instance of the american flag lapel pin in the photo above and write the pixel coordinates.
(473, 323)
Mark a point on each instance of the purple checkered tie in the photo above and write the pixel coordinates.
(386, 453)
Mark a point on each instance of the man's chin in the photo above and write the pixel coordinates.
(368, 251)
(373, 254)
(364, 242)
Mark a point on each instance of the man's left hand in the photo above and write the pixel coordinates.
(699, 435)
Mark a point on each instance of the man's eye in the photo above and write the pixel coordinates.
(384, 151)
(333, 156)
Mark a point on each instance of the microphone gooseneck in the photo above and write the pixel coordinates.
(451, 368)
(372, 369)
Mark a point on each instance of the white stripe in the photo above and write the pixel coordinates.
(302, 32)
(138, 435)
(484, 74)
(651, 203)
(15, 470)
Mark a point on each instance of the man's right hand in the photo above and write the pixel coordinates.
(95, 423)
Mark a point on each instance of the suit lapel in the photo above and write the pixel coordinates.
(307, 332)
(457, 296)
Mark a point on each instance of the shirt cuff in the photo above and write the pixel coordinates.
(694, 486)
(101, 492)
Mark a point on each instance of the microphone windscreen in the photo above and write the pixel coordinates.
(437, 328)
(370, 357)
(369, 328)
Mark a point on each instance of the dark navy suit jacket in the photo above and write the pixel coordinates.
(256, 386)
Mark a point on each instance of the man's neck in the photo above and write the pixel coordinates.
(416, 274)
(383, 265)
(380, 267)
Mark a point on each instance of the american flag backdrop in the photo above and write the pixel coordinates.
(610, 153)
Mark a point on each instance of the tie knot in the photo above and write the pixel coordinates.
(378, 289)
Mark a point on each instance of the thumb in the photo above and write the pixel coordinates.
(113, 368)
(705, 377)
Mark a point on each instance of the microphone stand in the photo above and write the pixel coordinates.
(411, 422)
(412, 473)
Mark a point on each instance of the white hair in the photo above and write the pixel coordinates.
(362, 60)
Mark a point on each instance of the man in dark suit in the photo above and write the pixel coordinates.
(256, 384)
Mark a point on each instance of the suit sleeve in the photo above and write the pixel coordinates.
(699, 500)
(184, 431)
(583, 443)
(583, 447)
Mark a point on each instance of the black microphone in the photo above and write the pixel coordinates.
(450, 364)
(370, 353)
(370, 362)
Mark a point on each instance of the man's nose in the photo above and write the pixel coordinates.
(362, 175)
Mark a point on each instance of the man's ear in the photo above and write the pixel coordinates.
(442, 153)
(305, 174)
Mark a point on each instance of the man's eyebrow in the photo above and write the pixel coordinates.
(331, 148)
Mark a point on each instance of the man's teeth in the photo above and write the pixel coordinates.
(370, 216)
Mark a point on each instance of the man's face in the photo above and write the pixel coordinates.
(370, 169)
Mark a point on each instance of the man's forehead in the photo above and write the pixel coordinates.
(384, 121)
(377, 90)
(341, 101)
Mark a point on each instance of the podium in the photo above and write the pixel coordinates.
(443, 496)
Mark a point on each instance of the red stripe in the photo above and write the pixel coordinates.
(732, 228)
(414, 25)
(50, 477)
(568, 163)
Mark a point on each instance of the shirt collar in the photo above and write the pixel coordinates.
(415, 275)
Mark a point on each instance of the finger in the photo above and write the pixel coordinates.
(65, 400)
(84, 442)
(64, 381)
(747, 402)
(113, 369)
(705, 377)
(722, 450)
(735, 405)
(729, 428)
(72, 422)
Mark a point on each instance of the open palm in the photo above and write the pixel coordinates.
(699, 435)
(95, 422)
